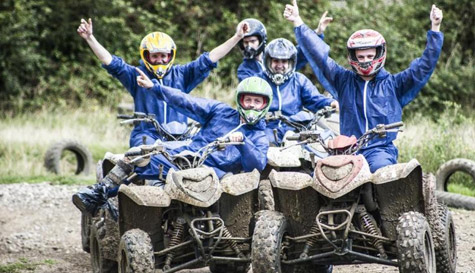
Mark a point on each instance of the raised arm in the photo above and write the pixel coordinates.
(410, 81)
(222, 50)
(85, 31)
(198, 109)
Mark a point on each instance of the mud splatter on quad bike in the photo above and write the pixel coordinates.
(344, 214)
(194, 220)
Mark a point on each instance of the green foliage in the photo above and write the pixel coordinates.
(44, 63)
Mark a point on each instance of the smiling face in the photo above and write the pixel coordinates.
(280, 66)
(159, 58)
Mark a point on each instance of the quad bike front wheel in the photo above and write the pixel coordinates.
(266, 196)
(99, 263)
(136, 252)
(445, 245)
(68, 156)
(414, 244)
(85, 232)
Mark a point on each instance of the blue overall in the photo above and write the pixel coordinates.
(365, 104)
(183, 77)
(217, 120)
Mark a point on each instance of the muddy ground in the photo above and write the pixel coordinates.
(40, 232)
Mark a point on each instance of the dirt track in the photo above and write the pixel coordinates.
(40, 227)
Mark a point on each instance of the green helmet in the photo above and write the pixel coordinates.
(253, 86)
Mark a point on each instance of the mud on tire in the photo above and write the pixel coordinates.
(445, 242)
(267, 242)
(54, 155)
(456, 200)
(136, 252)
(450, 167)
(85, 231)
(266, 196)
(414, 244)
(100, 244)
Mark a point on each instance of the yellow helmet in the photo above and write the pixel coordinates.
(158, 42)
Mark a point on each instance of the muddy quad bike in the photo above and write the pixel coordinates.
(174, 135)
(193, 221)
(344, 214)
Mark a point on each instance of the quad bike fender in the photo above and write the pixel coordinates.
(149, 196)
(338, 175)
(290, 180)
(239, 184)
(199, 186)
(289, 157)
(394, 172)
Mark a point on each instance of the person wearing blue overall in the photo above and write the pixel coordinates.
(218, 120)
(292, 90)
(254, 41)
(158, 52)
(369, 95)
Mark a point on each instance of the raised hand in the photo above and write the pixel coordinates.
(143, 80)
(291, 12)
(242, 29)
(323, 23)
(85, 29)
(436, 17)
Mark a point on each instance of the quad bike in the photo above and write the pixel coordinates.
(174, 135)
(194, 220)
(344, 214)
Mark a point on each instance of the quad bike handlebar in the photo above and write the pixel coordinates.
(380, 130)
(303, 125)
(138, 117)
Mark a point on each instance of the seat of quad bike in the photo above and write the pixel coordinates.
(341, 142)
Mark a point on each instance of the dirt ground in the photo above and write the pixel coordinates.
(40, 232)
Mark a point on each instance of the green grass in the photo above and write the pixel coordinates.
(22, 265)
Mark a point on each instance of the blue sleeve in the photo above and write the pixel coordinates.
(199, 109)
(249, 68)
(196, 71)
(311, 98)
(409, 82)
(124, 72)
(316, 51)
(301, 60)
(254, 152)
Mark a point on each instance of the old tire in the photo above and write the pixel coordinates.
(99, 263)
(445, 242)
(450, 167)
(266, 196)
(267, 240)
(456, 200)
(85, 231)
(414, 244)
(54, 157)
(136, 252)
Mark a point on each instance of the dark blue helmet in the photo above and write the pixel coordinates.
(256, 28)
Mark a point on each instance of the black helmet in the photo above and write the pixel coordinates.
(256, 28)
(281, 49)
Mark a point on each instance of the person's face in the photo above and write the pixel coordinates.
(365, 55)
(159, 58)
(251, 41)
(280, 66)
(252, 102)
